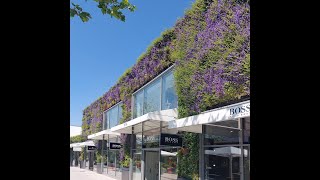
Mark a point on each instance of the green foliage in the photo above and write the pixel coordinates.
(126, 161)
(77, 139)
(112, 7)
(81, 157)
(184, 167)
(205, 55)
(100, 158)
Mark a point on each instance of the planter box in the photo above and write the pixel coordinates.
(99, 168)
(125, 173)
(82, 164)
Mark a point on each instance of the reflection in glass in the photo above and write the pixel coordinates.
(136, 165)
(169, 164)
(246, 132)
(215, 135)
(169, 96)
(246, 164)
(105, 125)
(112, 116)
(138, 104)
(151, 138)
(119, 113)
(152, 97)
(223, 162)
(149, 98)
(105, 154)
(111, 162)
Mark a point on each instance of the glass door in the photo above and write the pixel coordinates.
(169, 162)
(151, 170)
(223, 163)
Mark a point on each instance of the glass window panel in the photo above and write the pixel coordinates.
(113, 117)
(151, 138)
(136, 165)
(169, 96)
(152, 97)
(111, 162)
(222, 162)
(169, 164)
(105, 125)
(246, 130)
(120, 113)
(215, 135)
(138, 104)
(246, 163)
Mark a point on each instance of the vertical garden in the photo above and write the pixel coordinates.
(210, 47)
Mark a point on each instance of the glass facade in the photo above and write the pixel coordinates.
(152, 97)
(216, 135)
(222, 162)
(227, 150)
(112, 116)
(136, 165)
(169, 96)
(111, 164)
(169, 163)
(224, 151)
(138, 104)
(159, 95)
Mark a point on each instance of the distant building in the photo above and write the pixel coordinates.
(75, 131)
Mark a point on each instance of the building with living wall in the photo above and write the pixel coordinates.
(183, 109)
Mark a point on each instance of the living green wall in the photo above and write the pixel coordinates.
(210, 47)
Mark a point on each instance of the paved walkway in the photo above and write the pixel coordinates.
(83, 174)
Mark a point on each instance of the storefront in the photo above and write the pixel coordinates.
(108, 162)
(224, 140)
(224, 143)
(82, 154)
(152, 157)
(155, 136)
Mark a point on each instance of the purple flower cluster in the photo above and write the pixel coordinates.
(215, 44)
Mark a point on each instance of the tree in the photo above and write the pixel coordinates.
(111, 7)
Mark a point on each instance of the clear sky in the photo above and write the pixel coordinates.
(103, 48)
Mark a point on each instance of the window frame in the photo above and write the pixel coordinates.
(142, 89)
(104, 114)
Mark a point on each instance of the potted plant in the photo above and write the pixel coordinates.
(111, 163)
(138, 164)
(99, 161)
(81, 160)
(125, 163)
(164, 168)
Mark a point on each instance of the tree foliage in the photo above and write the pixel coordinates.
(77, 139)
(112, 7)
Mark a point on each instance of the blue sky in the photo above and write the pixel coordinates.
(103, 48)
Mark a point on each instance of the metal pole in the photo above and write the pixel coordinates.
(115, 163)
(108, 154)
(85, 157)
(142, 154)
(231, 176)
(241, 149)
(131, 155)
(159, 168)
(102, 154)
(201, 155)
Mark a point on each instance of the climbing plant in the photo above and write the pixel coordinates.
(186, 169)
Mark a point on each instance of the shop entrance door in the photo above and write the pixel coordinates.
(151, 165)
